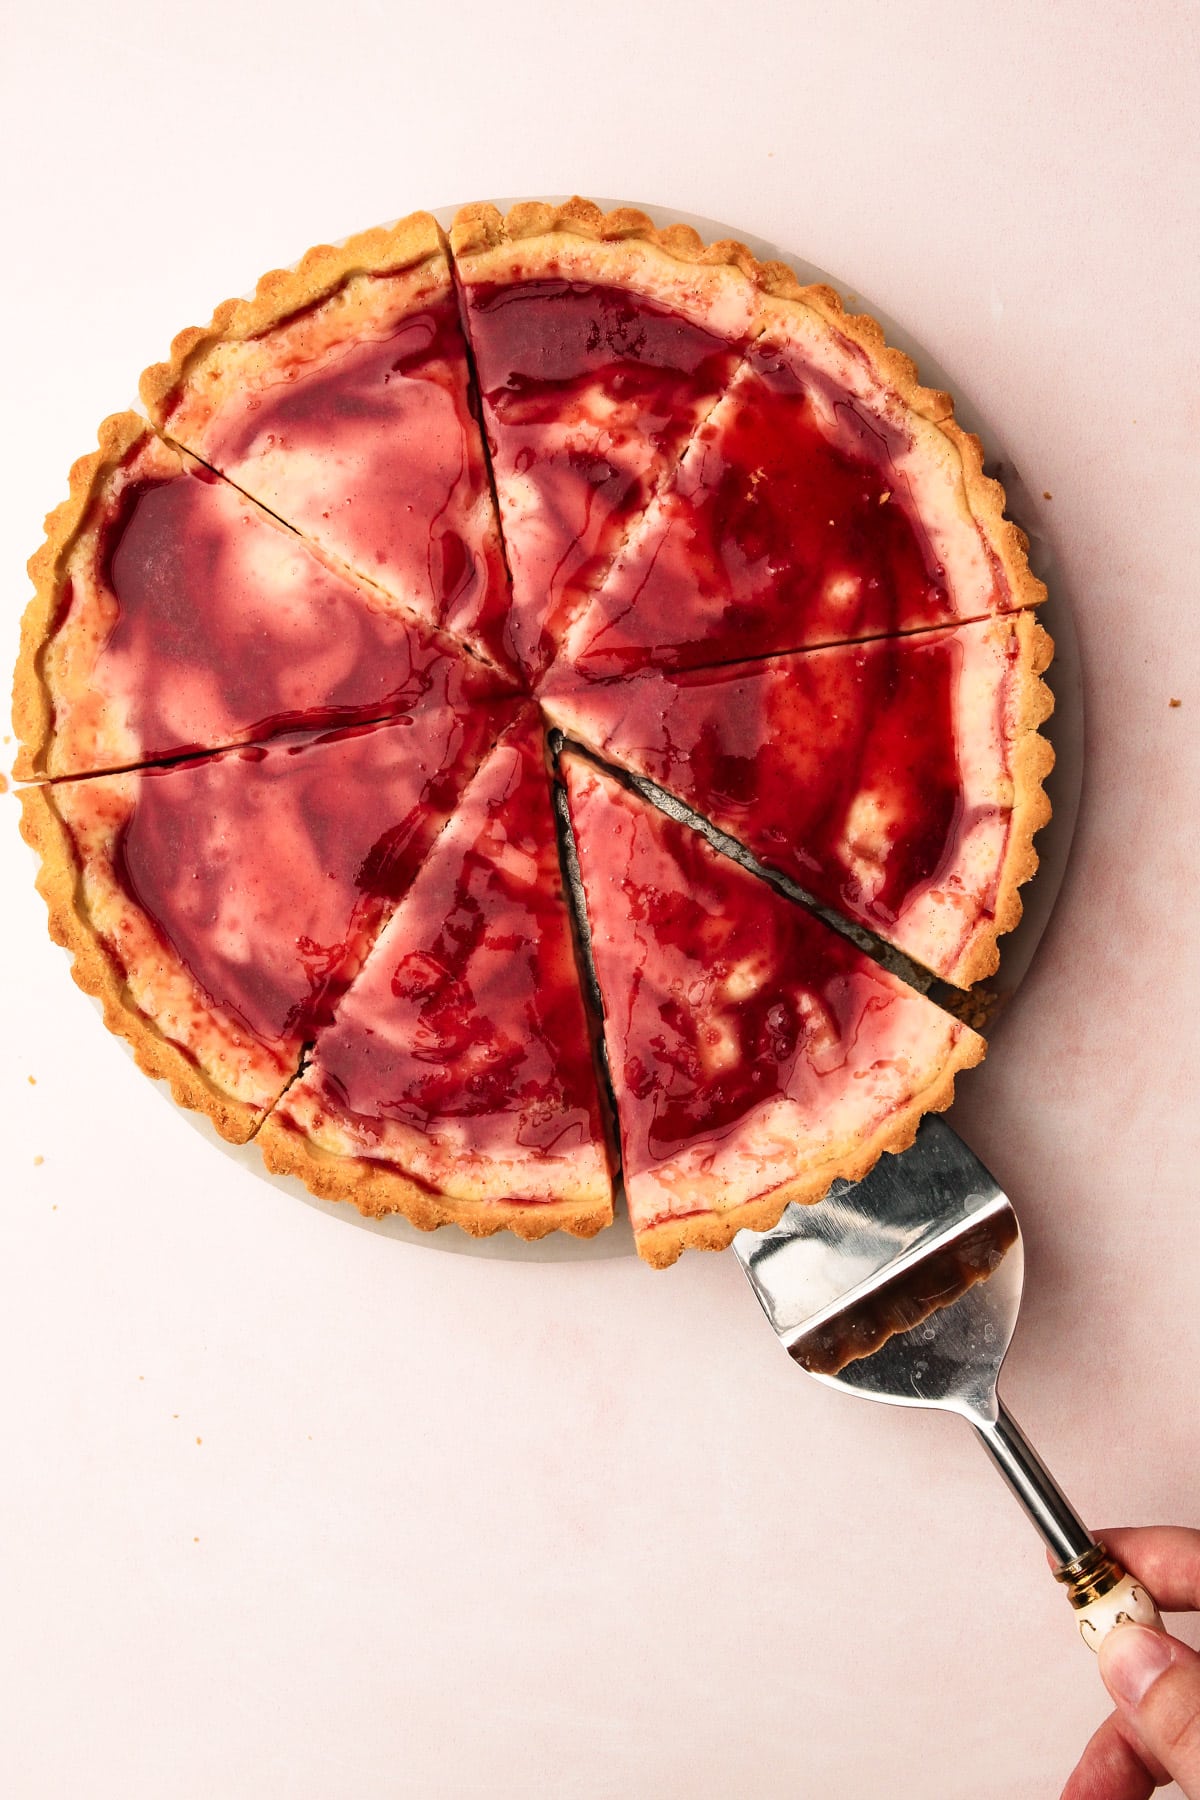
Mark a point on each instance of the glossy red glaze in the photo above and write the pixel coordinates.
(372, 451)
(719, 994)
(777, 532)
(470, 1007)
(268, 871)
(589, 395)
(838, 767)
(228, 627)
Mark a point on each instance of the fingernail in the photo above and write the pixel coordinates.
(1131, 1660)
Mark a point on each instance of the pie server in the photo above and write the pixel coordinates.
(905, 1288)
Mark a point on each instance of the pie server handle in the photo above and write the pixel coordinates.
(1103, 1594)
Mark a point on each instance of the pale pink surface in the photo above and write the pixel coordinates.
(470, 1527)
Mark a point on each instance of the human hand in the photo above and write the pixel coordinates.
(1154, 1735)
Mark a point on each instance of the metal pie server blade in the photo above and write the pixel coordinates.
(905, 1287)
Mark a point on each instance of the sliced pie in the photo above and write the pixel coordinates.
(338, 397)
(755, 1054)
(457, 1082)
(600, 344)
(173, 615)
(294, 814)
(827, 498)
(898, 781)
(218, 907)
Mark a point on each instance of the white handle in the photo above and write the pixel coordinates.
(1128, 1603)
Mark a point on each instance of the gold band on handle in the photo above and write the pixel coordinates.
(1090, 1576)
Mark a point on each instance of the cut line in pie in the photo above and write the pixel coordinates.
(295, 647)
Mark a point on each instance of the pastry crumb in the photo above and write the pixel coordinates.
(885, 496)
(32, 1080)
(199, 1440)
(1174, 702)
(195, 1540)
(1046, 494)
(38, 1161)
(3, 782)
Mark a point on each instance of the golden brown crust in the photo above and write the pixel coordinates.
(1032, 760)
(377, 1191)
(281, 293)
(119, 440)
(661, 1243)
(96, 973)
(481, 227)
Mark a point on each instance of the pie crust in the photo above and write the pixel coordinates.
(255, 405)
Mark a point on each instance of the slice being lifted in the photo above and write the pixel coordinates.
(755, 1054)
(338, 397)
(600, 345)
(898, 781)
(173, 615)
(457, 1082)
(828, 498)
(218, 907)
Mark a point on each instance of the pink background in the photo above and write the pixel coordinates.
(469, 1526)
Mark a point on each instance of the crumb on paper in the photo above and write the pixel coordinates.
(32, 1080)
(195, 1540)
(38, 1161)
(1174, 702)
(3, 782)
(1046, 494)
(174, 1415)
(199, 1440)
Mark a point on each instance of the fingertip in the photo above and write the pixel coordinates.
(1131, 1660)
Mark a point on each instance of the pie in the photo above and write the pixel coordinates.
(491, 733)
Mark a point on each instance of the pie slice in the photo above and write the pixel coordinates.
(218, 907)
(898, 781)
(600, 344)
(828, 498)
(457, 1082)
(174, 615)
(339, 398)
(755, 1054)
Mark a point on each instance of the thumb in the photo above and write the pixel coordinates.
(1155, 1681)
